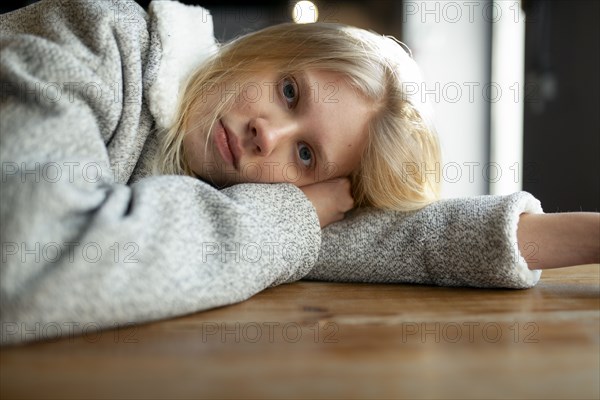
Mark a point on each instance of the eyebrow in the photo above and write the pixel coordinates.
(305, 102)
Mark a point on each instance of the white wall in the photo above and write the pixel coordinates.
(508, 70)
(450, 40)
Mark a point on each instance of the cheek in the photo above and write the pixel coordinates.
(350, 161)
(251, 93)
(209, 101)
(243, 107)
(193, 146)
(354, 158)
(255, 101)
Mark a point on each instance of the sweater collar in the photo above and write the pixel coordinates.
(186, 37)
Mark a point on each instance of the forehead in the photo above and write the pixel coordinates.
(337, 115)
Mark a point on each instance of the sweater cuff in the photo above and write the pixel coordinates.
(492, 258)
(517, 204)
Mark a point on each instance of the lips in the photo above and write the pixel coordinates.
(226, 144)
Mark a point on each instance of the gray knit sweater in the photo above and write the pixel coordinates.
(91, 240)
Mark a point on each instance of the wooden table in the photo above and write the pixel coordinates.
(316, 339)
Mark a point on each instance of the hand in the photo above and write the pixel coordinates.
(331, 199)
(560, 239)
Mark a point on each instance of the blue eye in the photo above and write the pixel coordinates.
(305, 155)
(289, 89)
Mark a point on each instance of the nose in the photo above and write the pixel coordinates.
(266, 135)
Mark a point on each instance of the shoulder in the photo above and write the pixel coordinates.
(56, 16)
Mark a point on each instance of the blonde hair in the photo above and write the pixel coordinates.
(402, 150)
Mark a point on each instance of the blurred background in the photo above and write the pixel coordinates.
(514, 84)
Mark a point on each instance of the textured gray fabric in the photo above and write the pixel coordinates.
(90, 240)
(169, 245)
(453, 242)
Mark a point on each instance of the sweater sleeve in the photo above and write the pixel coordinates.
(453, 242)
(83, 251)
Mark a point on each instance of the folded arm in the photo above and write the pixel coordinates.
(454, 242)
(80, 248)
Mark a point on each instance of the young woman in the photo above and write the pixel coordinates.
(148, 173)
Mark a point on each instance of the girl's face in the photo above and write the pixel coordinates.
(301, 129)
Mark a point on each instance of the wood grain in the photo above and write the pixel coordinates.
(319, 340)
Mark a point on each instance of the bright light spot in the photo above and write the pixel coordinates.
(305, 12)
